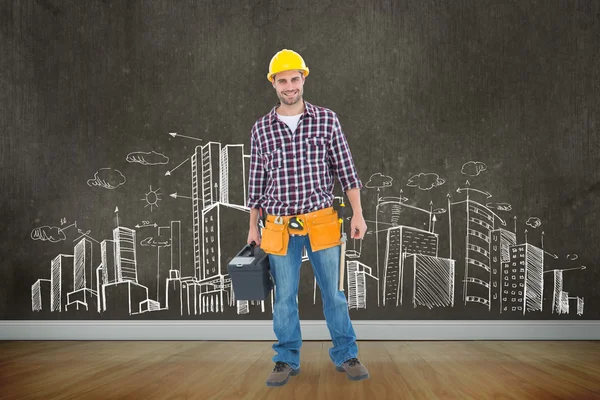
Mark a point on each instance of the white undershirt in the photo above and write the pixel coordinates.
(291, 121)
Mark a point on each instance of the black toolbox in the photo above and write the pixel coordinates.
(250, 274)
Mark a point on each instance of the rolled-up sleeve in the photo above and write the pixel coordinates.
(256, 173)
(341, 159)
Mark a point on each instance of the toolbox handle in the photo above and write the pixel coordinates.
(252, 246)
(247, 247)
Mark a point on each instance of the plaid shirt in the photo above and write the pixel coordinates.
(294, 174)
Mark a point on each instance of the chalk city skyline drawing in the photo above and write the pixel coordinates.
(457, 254)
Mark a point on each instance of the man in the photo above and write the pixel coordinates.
(297, 151)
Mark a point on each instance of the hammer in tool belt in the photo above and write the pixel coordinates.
(343, 248)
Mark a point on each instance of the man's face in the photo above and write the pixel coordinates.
(289, 86)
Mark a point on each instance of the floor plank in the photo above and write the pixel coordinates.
(536, 361)
(237, 370)
(423, 381)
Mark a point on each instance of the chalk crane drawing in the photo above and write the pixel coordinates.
(484, 264)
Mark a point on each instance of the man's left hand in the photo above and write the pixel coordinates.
(358, 227)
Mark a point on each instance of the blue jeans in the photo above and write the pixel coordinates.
(286, 321)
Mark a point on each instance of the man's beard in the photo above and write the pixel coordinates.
(290, 101)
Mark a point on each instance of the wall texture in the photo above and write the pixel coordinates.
(125, 136)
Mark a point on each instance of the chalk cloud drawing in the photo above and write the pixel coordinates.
(378, 181)
(152, 242)
(473, 168)
(425, 181)
(534, 222)
(107, 178)
(48, 234)
(147, 158)
(499, 206)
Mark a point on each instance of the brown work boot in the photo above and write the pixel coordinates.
(281, 373)
(354, 369)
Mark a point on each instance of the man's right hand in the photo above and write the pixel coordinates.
(254, 236)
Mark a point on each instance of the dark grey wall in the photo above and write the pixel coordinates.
(419, 86)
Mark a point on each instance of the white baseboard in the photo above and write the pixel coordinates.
(311, 330)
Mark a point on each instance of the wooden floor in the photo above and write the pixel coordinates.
(237, 370)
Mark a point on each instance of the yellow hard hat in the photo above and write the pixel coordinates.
(286, 60)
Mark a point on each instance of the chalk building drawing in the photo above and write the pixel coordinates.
(522, 279)
(41, 294)
(431, 279)
(61, 277)
(457, 254)
(83, 294)
(501, 242)
(401, 241)
(561, 302)
(471, 227)
(357, 275)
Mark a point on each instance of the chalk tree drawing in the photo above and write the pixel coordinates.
(107, 178)
(147, 158)
(485, 264)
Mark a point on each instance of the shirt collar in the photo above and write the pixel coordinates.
(309, 110)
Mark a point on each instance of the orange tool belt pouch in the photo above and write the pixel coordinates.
(322, 228)
(275, 237)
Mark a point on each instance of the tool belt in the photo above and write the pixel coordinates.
(322, 227)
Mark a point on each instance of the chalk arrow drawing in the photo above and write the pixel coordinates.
(176, 196)
(469, 189)
(168, 173)
(178, 135)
